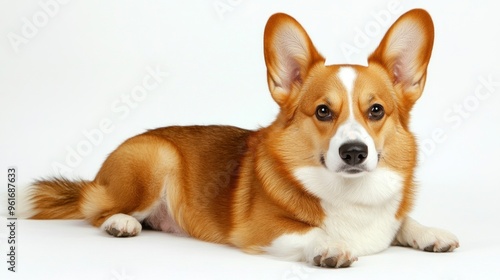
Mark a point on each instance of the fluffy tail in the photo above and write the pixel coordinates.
(57, 199)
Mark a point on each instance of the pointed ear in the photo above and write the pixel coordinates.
(289, 54)
(405, 51)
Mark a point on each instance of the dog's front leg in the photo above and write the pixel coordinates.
(314, 247)
(325, 252)
(413, 234)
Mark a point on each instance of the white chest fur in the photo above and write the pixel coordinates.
(360, 213)
(361, 229)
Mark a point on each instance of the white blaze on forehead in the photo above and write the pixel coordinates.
(351, 130)
(347, 76)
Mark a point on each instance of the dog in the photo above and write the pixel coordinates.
(329, 180)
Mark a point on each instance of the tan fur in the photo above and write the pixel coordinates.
(57, 199)
(229, 185)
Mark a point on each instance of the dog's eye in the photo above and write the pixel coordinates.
(376, 112)
(323, 113)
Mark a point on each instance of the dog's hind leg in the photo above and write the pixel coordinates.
(131, 185)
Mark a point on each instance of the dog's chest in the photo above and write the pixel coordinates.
(360, 214)
(361, 229)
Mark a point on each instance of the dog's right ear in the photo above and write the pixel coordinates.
(289, 54)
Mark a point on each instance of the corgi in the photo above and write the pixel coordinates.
(329, 180)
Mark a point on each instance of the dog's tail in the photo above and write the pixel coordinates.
(55, 199)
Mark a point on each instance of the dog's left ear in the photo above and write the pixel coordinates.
(289, 54)
(405, 52)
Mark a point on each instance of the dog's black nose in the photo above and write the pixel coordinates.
(353, 153)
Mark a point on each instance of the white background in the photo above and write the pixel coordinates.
(66, 69)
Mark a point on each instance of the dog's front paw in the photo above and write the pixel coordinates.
(334, 258)
(437, 240)
(424, 238)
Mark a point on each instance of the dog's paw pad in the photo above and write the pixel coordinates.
(437, 241)
(317, 260)
(337, 261)
(436, 248)
(120, 233)
(121, 225)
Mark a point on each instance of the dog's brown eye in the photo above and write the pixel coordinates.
(323, 113)
(376, 112)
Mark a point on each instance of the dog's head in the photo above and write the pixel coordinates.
(349, 119)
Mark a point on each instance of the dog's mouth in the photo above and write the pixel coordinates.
(352, 171)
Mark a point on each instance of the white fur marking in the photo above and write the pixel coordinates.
(350, 131)
(125, 225)
(360, 212)
(373, 189)
(347, 76)
(421, 237)
(307, 246)
(360, 215)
